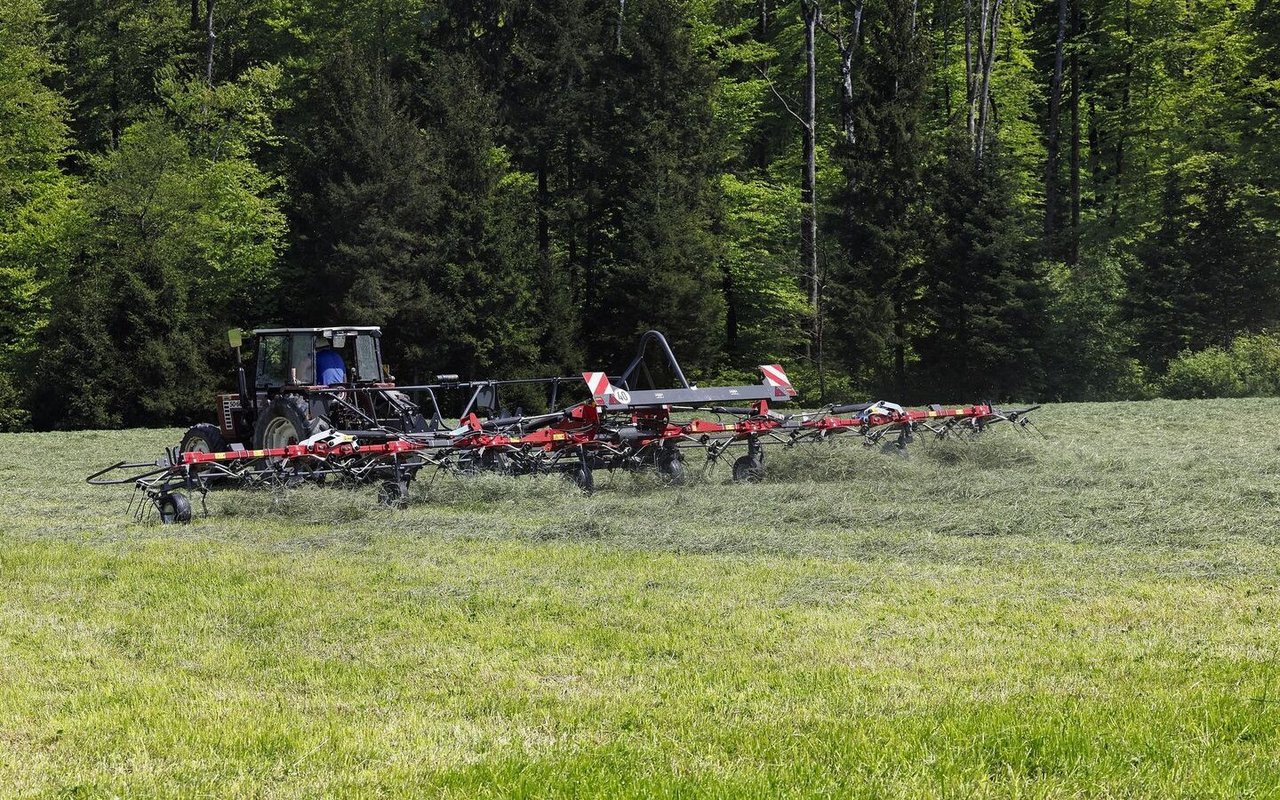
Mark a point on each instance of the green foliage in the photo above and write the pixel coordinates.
(768, 306)
(1204, 374)
(1250, 367)
(379, 194)
(521, 188)
(983, 319)
(1208, 272)
(881, 207)
(177, 239)
(1090, 343)
(36, 198)
(111, 52)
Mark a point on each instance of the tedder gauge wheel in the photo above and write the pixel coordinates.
(174, 508)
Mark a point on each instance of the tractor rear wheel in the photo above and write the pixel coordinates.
(203, 438)
(287, 420)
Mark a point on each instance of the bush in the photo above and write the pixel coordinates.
(1207, 373)
(1258, 359)
(1250, 368)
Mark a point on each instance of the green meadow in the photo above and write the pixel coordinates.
(1088, 614)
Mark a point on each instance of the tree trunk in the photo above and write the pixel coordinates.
(1124, 114)
(1055, 110)
(210, 38)
(990, 32)
(848, 49)
(808, 197)
(622, 8)
(1073, 243)
(544, 198)
(969, 72)
(946, 58)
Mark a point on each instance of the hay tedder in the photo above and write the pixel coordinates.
(322, 408)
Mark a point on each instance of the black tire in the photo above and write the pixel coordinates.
(203, 438)
(494, 460)
(748, 469)
(287, 420)
(394, 494)
(174, 509)
(671, 466)
(583, 477)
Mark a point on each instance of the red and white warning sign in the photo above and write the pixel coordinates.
(776, 376)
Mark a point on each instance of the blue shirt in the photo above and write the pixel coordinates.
(330, 368)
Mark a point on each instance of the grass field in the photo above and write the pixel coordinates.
(1091, 615)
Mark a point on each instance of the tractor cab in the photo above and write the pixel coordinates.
(317, 357)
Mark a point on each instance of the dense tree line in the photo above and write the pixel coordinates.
(930, 199)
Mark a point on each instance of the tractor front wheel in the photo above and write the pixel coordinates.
(203, 438)
(286, 421)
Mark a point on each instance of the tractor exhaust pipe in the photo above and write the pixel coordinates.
(234, 337)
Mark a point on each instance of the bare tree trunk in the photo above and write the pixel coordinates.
(808, 195)
(1124, 114)
(987, 54)
(1073, 247)
(969, 72)
(848, 49)
(544, 198)
(848, 43)
(946, 58)
(210, 38)
(1055, 114)
(622, 7)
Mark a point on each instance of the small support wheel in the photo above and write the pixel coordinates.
(671, 466)
(394, 494)
(748, 469)
(174, 509)
(583, 477)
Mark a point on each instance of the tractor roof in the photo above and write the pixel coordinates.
(317, 331)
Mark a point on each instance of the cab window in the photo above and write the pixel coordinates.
(303, 358)
(367, 359)
(273, 360)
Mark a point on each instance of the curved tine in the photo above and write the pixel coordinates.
(1027, 421)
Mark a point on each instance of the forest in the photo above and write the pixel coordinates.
(926, 200)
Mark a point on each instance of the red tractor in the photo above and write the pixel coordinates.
(305, 381)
